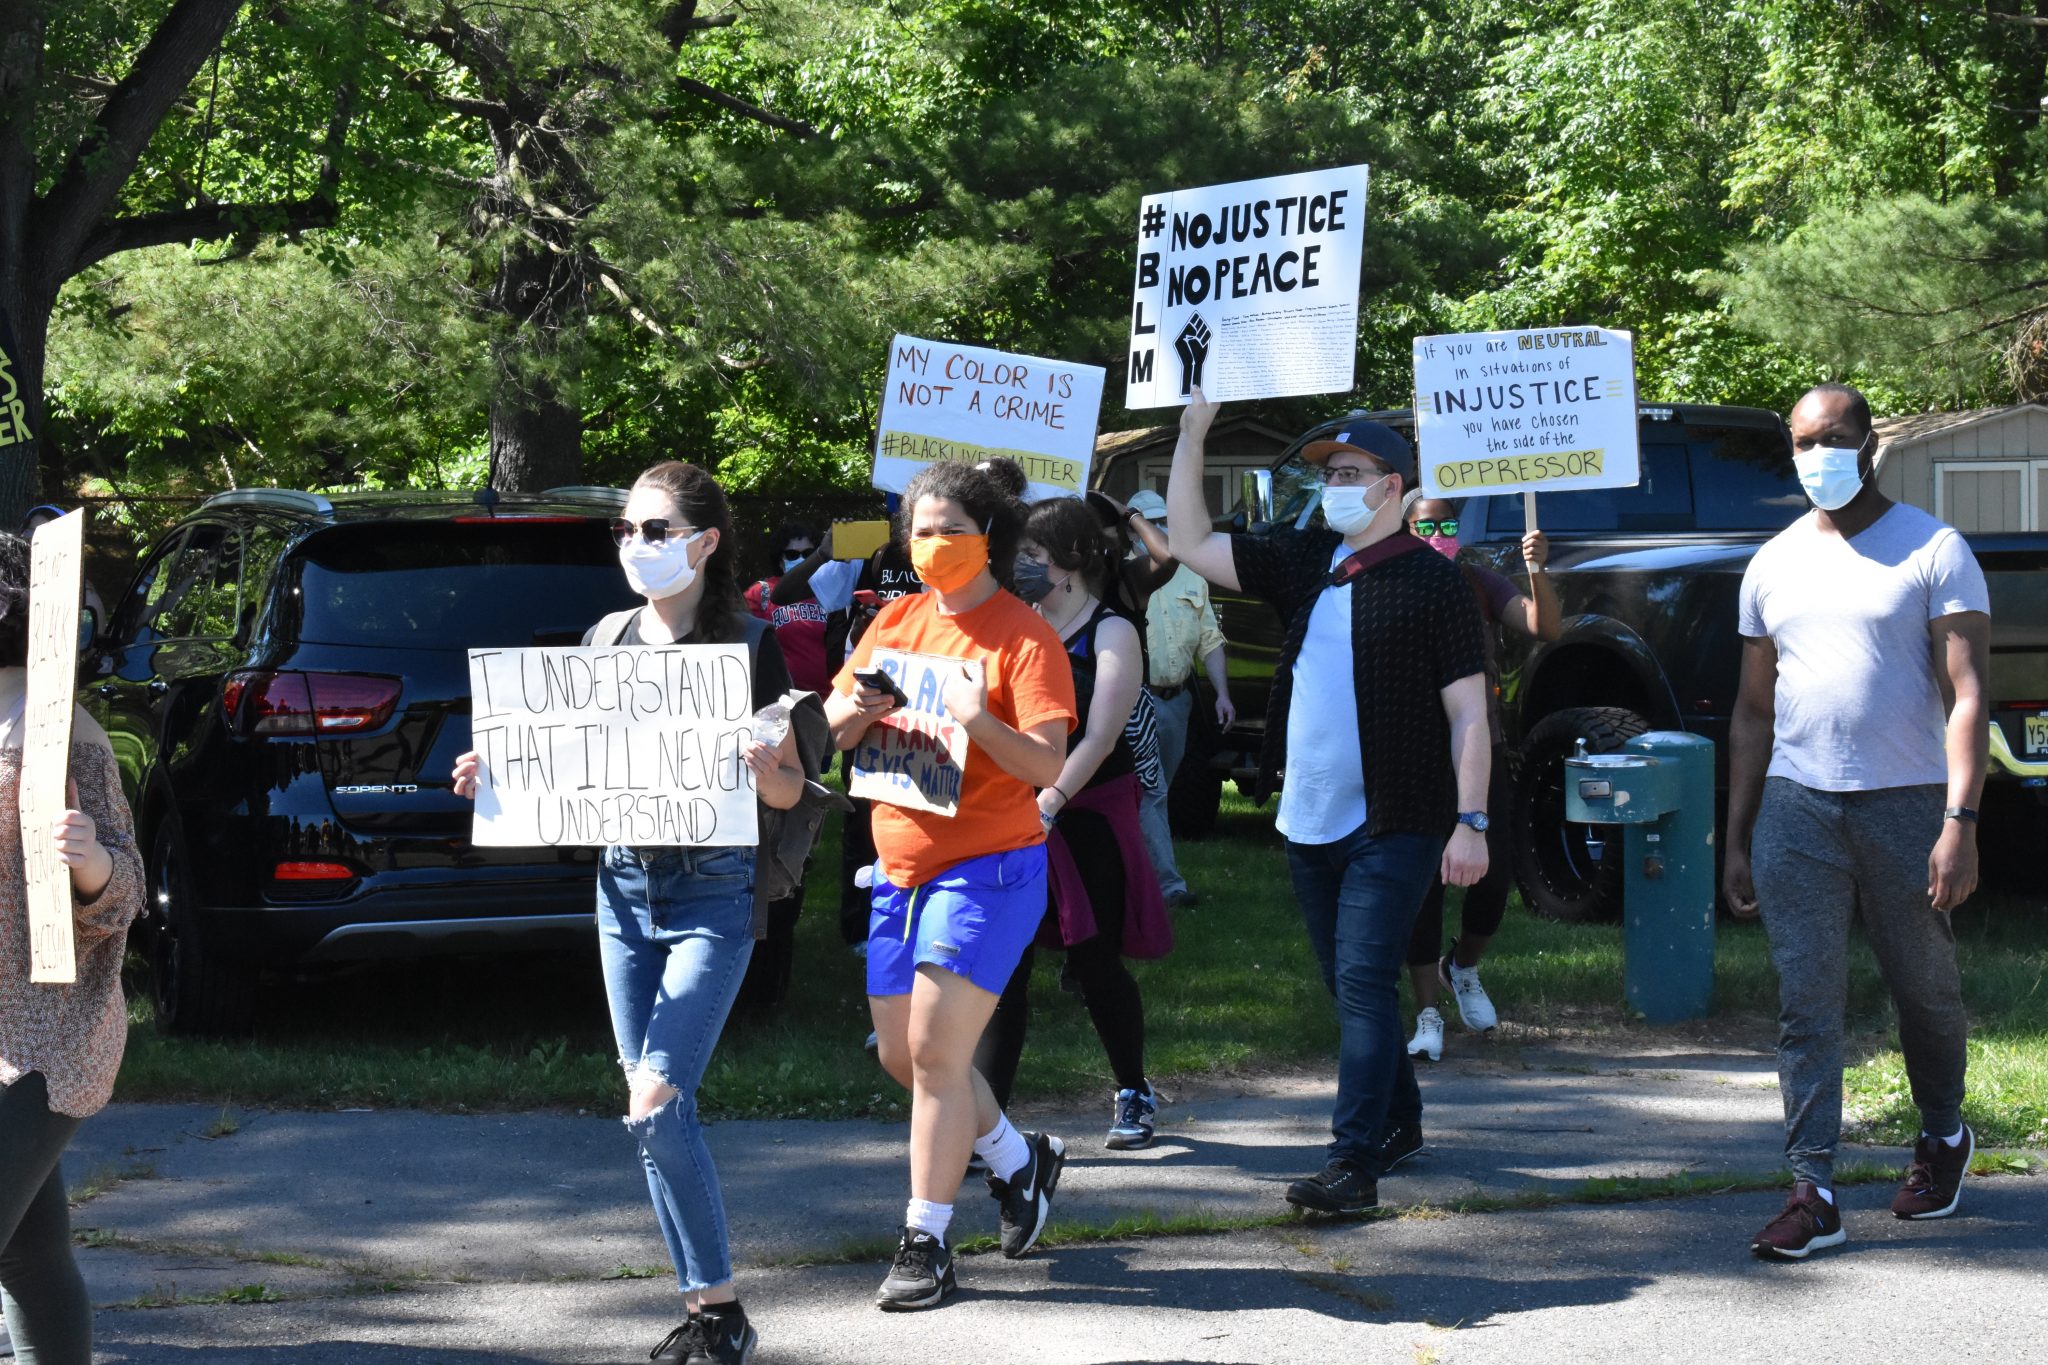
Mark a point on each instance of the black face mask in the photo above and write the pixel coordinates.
(1034, 580)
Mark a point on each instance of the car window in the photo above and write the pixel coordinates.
(148, 588)
(1663, 501)
(1743, 480)
(197, 594)
(483, 584)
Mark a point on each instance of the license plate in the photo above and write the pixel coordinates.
(2037, 734)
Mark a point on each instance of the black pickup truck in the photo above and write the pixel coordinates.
(1648, 578)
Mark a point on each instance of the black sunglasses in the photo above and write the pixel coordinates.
(654, 530)
(1425, 529)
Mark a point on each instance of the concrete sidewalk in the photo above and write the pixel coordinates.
(407, 1236)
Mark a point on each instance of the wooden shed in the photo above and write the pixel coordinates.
(1127, 461)
(1985, 470)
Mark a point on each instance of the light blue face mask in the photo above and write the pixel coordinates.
(1830, 475)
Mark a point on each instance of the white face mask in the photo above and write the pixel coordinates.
(1346, 508)
(1829, 474)
(659, 571)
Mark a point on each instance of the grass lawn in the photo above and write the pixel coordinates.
(1239, 993)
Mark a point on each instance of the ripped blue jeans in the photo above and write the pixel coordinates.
(675, 927)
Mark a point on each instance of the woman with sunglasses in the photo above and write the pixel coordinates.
(676, 926)
(958, 898)
(1431, 969)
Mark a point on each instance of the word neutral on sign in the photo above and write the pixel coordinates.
(1536, 412)
(635, 744)
(916, 756)
(1248, 290)
(943, 401)
(56, 566)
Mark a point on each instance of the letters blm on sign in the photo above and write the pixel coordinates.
(916, 756)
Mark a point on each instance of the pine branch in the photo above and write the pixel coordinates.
(793, 126)
(203, 222)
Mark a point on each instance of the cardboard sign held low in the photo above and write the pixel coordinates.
(916, 756)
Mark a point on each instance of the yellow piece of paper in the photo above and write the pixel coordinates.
(858, 539)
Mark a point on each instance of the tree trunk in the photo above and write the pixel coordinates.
(536, 426)
(27, 460)
(25, 298)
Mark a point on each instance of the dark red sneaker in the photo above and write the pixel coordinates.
(1934, 1182)
(1805, 1225)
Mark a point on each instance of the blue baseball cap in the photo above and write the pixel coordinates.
(1381, 443)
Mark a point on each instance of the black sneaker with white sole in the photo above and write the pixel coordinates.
(729, 1339)
(683, 1344)
(1340, 1187)
(921, 1275)
(1396, 1145)
(1026, 1197)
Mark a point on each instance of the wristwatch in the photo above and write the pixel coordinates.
(1474, 818)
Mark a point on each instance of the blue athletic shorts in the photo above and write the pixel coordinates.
(975, 919)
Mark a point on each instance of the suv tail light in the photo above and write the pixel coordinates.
(314, 872)
(265, 703)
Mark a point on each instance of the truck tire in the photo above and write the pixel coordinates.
(1197, 784)
(1566, 871)
(193, 989)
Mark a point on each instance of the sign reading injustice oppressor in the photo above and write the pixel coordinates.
(56, 570)
(943, 401)
(1248, 290)
(916, 756)
(1535, 411)
(632, 744)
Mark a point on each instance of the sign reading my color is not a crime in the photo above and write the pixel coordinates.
(632, 744)
(1248, 290)
(1538, 411)
(943, 401)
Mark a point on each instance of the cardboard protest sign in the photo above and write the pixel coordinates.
(943, 401)
(916, 756)
(1248, 290)
(1536, 411)
(56, 570)
(633, 744)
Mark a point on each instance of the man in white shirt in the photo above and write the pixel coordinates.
(1855, 763)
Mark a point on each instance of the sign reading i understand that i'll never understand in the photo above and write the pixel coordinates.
(1546, 410)
(633, 744)
(56, 567)
(945, 401)
(1248, 290)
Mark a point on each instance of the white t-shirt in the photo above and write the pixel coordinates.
(1323, 797)
(1857, 705)
(833, 582)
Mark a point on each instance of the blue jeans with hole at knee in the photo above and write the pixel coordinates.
(1359, 896)
(675, 927)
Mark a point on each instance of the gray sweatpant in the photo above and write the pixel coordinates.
(1821, 858)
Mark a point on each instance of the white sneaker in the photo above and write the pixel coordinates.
(1429, 1035)
(1474, 1006)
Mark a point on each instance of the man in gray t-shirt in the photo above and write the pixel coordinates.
(1856, 760)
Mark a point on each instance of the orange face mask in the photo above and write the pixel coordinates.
(949, 563)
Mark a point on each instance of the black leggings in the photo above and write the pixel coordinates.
(1486, 902)
(48, 1313)
(856, 851)
(1094, 970)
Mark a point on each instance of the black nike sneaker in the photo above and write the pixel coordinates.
(1026, 1197)
(921, 1275)
(729, 1339)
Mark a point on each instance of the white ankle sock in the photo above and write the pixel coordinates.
(925, 1216)
(1954, 1141)
(1003, 1148)
(1825, 1193)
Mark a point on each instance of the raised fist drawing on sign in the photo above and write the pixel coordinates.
(1192, 345)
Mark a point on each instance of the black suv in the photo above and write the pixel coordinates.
(286, 686)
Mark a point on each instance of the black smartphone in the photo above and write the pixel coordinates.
(882, 682)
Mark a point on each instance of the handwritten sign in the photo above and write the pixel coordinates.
(634, 744)
(943, 401)
(1248, 290)
(56, 568)
(1538, 411)
(916, 756)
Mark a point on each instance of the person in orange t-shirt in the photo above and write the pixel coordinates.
(958, 897)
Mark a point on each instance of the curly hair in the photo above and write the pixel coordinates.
(702, 502)
(14, 568)
(1008, 474)
(982, 496)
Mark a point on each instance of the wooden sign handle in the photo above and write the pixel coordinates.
(1529, 521)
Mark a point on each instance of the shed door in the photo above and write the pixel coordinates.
(1990, 496)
